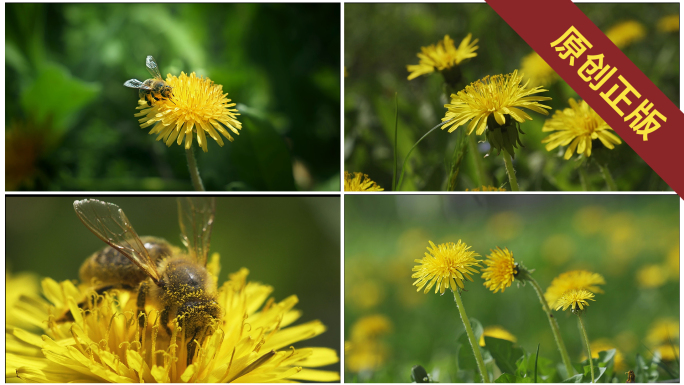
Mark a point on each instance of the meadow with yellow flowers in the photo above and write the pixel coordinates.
(449, 97)
(469, 288)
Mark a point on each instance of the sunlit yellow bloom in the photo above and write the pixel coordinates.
(602, 345)
(359, 181)
(446, 265)
(672, 262)
(500, 271)
(626, 33)
(366, 351)
(505, 225)
(197, 106)
(575, 279)
(370, 327)
(663, 332)
(669, 23)
(487, 188)
(442, 56)
(537, 70)
(365, 355)
(498, 96)
(652, 276)
(668, 352)
(252, 342)
(558, 248)
(20, 287)
(576, 298)
(578, 126)
(496, 332)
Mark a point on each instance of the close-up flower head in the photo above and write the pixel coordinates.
(446, 266)
(251, 342)
(576, 299)
(197, 107)
(500, 271)
(443, 56)
(572, 280)
(576, 127)
(359, 181)
(496, 96)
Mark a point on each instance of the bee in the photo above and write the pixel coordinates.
(151, 89)
(174, 281)
(630, 377)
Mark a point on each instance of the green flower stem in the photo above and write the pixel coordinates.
(586, 341)
(510, 171)
(194, 171)
(609, 178)
(477, 159)
(471, 337)
(554, 326)
(584, 178)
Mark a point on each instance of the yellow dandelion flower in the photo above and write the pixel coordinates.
(251, 342)
(446, 265)
(498, 96)
(496, 332)
(501, 270)
(578, 126)
(669, 23)
(626, 33)
(576, 298)
(652, 276)
(575, 279)
(663, 331)
(488, 188)
(197, 106)
(442, 56)
(370, 327)
(366, 351)
(359, 181)
(19, 287)
(668, 353)
(602, 345)
(537, 70)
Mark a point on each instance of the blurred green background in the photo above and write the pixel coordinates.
(69, 119)
(633, 241)
(377, 69)
(290, 243)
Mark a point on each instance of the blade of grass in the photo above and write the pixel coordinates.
(403, 166)
(396, 125)
(536, 360)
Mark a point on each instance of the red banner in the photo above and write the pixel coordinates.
(605, 78)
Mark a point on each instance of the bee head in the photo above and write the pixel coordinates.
(167, 91)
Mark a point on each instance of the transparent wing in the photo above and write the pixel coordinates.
(196, 216)
(153, 67)
(109, 223)
(135, 83)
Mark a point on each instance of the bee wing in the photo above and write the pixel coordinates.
(135, 83)
(196, 216)
(153, 67)
(109, 223)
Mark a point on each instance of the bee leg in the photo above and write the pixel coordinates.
(191, 349)
(142, 293)
(165, 320)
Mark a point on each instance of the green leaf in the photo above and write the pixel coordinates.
(57, 95)
(504, 353)
(576, 379)
(261, 156)
(509, 378)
